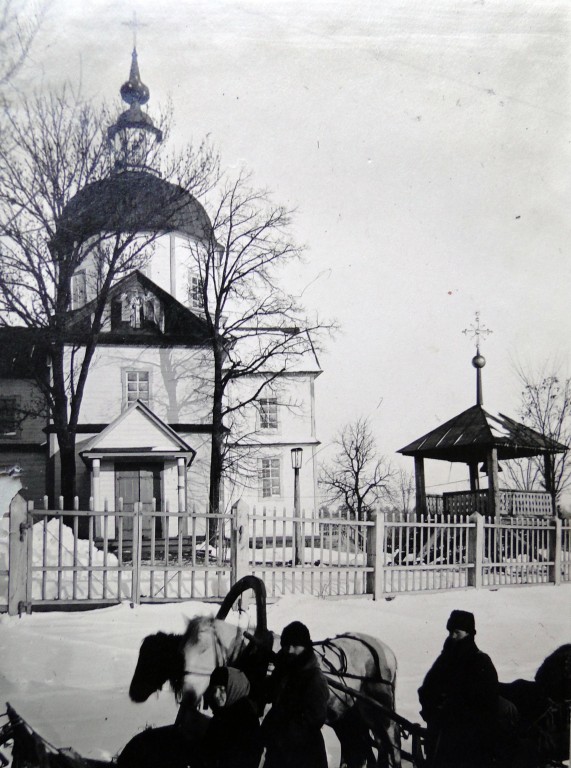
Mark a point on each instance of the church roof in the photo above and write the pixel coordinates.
(131, 201)
(469, 436)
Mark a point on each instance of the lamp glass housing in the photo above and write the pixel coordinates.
(296, 454)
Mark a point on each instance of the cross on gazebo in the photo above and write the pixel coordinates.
(134, 25)
(479, 334)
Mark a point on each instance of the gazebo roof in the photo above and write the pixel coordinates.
(469, 436)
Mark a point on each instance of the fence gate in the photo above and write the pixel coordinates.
(84, 557)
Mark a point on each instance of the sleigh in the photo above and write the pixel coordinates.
(30, 750)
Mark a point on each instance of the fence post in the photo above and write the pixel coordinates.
(555, 535)
(375, 552)
(475, 550)
(18, 555)
(137, 547)
(239, 541)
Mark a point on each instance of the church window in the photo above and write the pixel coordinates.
(195, 298)
(268, 412)
(137, 387)
(9, 426)
(78, 290)
(270, 478)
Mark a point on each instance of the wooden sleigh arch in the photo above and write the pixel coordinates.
(245, 584)
(255, 658)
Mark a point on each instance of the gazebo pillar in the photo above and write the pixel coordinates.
(420, 485)
(493, 484)
(474, 476)
(549, 480)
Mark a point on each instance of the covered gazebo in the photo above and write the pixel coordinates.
(476, 437)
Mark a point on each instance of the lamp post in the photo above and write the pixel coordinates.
(296, 454)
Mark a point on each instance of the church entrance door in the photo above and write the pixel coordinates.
(142, 483)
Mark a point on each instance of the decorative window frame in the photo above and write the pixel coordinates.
(268, 414)
(195, 295)
(273, 488)
(125, 374)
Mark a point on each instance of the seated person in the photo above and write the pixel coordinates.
(170, 746)
(233, 738)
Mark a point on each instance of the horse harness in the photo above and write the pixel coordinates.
(341, 671)
(221, 656)
(338, 687)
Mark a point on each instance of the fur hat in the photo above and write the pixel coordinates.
(296, 633)
(462, 620)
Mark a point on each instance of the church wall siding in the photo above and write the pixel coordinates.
(179, 381)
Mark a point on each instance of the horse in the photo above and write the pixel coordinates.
(360, 669)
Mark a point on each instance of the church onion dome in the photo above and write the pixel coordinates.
(134, 93)
(131, 202)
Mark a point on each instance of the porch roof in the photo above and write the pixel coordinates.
(469, 436)
(138, 433)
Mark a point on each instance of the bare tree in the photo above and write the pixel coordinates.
(356, 477)
(402, 492)
(256, 328)
(546, 407)
(19, 23)
(53, 149)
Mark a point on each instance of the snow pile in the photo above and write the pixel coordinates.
(73, 565)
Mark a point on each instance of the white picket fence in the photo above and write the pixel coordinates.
(446, 552)
(60, 558)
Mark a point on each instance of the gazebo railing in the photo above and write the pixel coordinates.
(465, 502)
(512, 503)
(526, 503)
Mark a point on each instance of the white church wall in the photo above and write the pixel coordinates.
(266, 477)
(178, 381)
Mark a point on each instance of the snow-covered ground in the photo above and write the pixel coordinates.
(68, 673)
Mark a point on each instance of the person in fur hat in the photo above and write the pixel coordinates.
(459, 700)
(233, 738)
(299, 694)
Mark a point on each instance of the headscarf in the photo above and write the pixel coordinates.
(236, 683)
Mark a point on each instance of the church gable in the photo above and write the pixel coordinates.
(137, 308)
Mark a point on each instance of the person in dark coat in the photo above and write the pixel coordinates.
(298, 693)
(233, 738)
(459, 700)
(170, 746)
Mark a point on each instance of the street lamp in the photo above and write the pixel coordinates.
(296, 454)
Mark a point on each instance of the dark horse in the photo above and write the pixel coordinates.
(354, 663)
(542, 728)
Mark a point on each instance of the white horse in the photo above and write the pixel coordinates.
(361, 671)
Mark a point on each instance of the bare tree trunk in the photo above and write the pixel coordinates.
(217, 448)
(68, 468)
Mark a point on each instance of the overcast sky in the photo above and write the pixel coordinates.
(426, 147)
